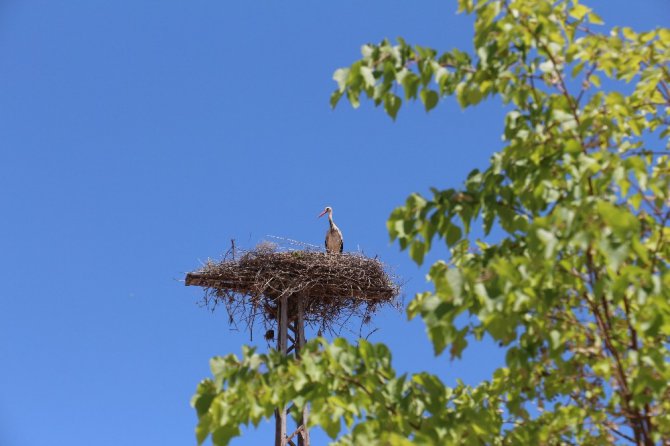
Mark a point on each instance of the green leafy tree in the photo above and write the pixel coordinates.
(577, 289)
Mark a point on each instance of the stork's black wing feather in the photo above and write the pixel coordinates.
(341, 246)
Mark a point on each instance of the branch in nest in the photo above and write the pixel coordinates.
(332, 286)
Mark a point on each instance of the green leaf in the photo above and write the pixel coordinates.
(411, 84)
(203, 428)
(369, 78)
(417, 251)
(555, 337)
(579, 11)
(392, 104)
(223, 435)
(454, 234)
(429, 99)
(573, 146)
(341, 76)
(335, 98)
(596, 19)
(549, 240)
(595, 80)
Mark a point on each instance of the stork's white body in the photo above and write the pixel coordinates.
(334, 239)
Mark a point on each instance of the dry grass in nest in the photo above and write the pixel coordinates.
(334, 287)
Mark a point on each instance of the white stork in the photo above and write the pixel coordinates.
(334, 240)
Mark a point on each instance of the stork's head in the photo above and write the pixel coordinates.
(327, 210)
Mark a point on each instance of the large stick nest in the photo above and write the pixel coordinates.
(333, 287)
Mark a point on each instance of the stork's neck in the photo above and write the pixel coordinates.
(330, 219)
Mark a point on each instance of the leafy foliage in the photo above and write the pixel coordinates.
(577, 290)
(344, 384)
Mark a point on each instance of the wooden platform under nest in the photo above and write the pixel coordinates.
(331, 286)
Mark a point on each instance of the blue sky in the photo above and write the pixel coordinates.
(139, 137)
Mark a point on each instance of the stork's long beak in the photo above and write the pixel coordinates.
(322, 214)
